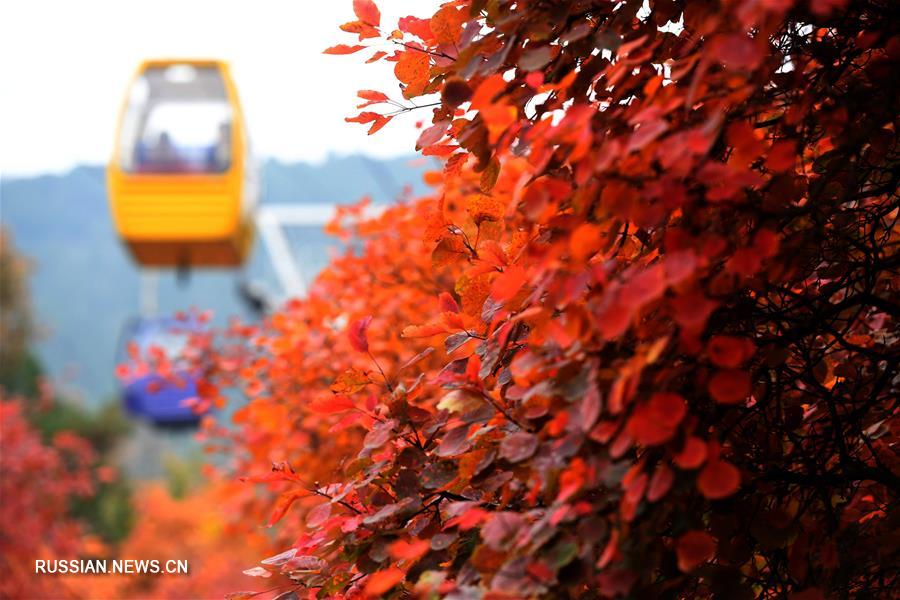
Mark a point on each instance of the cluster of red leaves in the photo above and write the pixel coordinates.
(643, 340)
(37, 484)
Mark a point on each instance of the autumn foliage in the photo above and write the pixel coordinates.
(38, 481)
(641, 341)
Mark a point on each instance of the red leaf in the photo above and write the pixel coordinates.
(656, 421)
(416, 358)
(730, 386)
(417, 27)
(432, 135)
(613, 317)
(692, 455)
(518, 446)
(454, 442)
(693, 549)
(318, 515)
(766, 242)
(644, 287)
(342, 49)
(729, 351)
(745, 262)
(501, 529)
(718, 479)
(660, 483)
(782, 156)
(447, 303)
(737, 51)
(367, 12)
(535, 79)
(357, 334)
(679, 266)
(692, 310)
(379, 435)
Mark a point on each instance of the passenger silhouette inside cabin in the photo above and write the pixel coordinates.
(163, 156)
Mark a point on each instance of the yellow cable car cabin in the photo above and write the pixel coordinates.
(182, 184)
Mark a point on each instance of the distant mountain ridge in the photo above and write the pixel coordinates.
(84, 286)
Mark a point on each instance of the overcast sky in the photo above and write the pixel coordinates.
(64, 66)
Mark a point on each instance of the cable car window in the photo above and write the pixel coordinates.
(178, 120)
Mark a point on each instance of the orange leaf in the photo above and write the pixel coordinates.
(284, 502)
(693, 549)
(364, 30)
(381, 581)
(420, 331)
(412, 550)
(342, 49)
(379, 123)
(487, 91)
(446, 24)
(412, 69)
(585, 241)
(366, 116)
(718, 479)
(377, 56)
(508, 283)
(371, 97)
(333, 405)
(498, 118)
(349, 382)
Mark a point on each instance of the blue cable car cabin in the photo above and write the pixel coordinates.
(162, 401)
